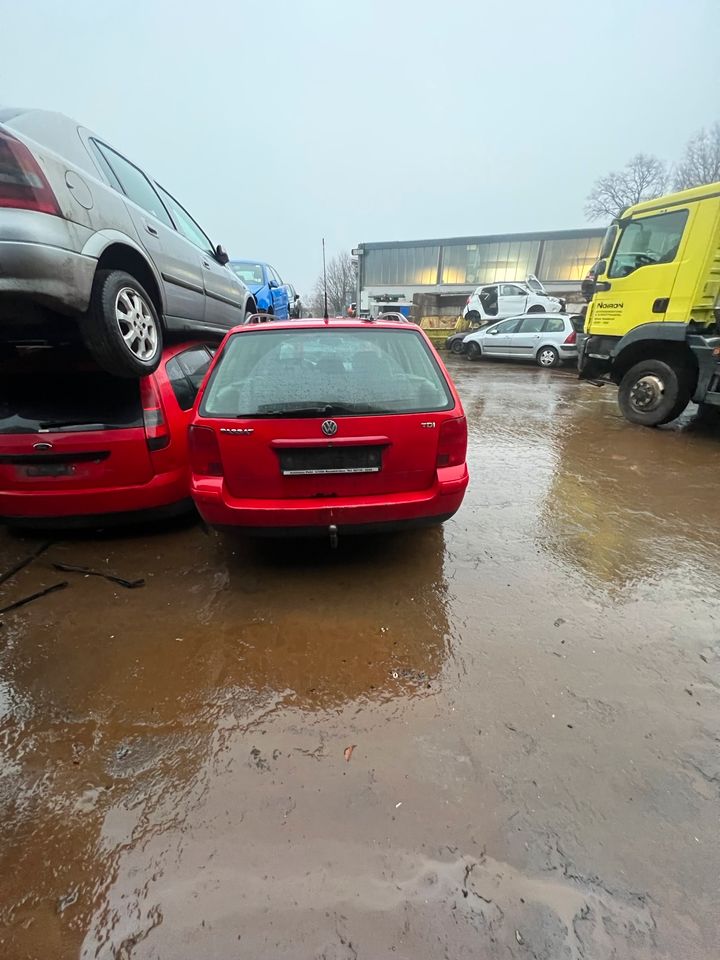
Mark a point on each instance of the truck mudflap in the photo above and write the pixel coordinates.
(707, 353)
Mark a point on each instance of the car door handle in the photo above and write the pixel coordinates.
(151, 230)
(206, 263)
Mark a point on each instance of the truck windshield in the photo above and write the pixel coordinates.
(648, 241)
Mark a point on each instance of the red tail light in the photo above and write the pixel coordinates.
(452, 445)
(157, 434)
(22, 183)
(572, 337)
(468, 300)
(205, 459)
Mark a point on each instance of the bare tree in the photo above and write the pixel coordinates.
(642, 178)
(701, 161)
(341, 286)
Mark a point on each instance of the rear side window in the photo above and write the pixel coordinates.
(134, 184)
(67, 402)
(185, 223)
(532, 324)
(648, 241)
(554, 325)
(367, 371)
(186, 373)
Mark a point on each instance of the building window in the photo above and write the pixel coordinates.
(477, 263)
(568, 259)
(399, 266)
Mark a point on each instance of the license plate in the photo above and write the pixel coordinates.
(308, 462)
(49, 470)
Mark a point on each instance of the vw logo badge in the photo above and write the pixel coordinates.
(329, 428)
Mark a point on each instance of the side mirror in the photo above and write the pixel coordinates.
(492, 332)
(600, 267)
(273, 284)
(221, 255)
(297, 297)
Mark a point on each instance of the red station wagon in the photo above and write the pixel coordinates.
(79, 447)
(327, 427)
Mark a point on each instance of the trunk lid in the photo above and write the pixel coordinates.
(65, 430)
(291, 458)
(327, 410)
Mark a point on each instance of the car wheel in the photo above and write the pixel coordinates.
(473, 351)
(250, 309)
(121, 328)
(473, 316)
(457, 346)
(547, 357)
(653, 392)
(536, 308)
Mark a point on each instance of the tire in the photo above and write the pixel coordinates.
(120, 307)
(457, 347)
(473, 316)
(547, 357)
(473, 351)
(537, 308)
(250, 309)
(654, 392)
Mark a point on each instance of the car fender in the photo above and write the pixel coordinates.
(99, 242)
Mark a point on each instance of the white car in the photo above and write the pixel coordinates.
(547, 338)
(493, 301)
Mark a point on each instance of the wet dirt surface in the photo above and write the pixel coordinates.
(531, 693)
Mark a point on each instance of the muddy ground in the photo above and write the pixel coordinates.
(531, 694)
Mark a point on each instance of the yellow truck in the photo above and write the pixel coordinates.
(653, 323)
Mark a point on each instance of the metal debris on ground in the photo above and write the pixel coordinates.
(17, 567)
(34, 596)
(88, 572)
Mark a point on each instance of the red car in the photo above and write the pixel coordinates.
(79, 447)
(331, 426)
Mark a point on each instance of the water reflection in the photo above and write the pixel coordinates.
(117, 700)
(628, 504)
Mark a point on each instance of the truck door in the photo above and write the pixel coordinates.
(638, 284)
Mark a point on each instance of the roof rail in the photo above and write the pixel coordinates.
(260, 318)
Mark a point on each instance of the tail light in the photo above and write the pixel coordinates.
(468, 300)
(452, 445)
(571, 338)
(205, 459)
(157, 434)
(22, 183)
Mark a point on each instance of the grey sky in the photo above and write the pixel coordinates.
(276, 122)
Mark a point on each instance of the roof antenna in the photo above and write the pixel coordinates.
(325, 315)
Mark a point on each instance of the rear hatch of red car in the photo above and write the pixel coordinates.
(68, 429)
(328, 411)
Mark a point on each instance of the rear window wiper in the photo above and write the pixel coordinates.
(316, 410)
(68, 424)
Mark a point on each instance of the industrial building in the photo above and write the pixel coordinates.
(450, 269)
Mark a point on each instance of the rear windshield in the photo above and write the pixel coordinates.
(248, 272)
(67, 402)
(325, 371)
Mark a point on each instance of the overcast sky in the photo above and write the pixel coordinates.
(278, 121)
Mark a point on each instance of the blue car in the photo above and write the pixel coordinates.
(266, 286)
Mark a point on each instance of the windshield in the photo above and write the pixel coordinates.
(325, 371)
(248, 272)
(648, 241)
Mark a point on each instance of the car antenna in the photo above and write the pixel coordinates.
(325, 315)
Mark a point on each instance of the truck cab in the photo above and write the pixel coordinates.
(652, 322)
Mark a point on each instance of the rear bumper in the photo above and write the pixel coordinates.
(40, 261)
(348, 514)
(27, 506)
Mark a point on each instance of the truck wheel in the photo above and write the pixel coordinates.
(121, 328)
(653, 392)
(473, 351)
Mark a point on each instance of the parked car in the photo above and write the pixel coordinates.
(548, 339)
(455, 343)
(264, 283)
(492, 301)
(80, 448)
(315, 427)
(294, 302)
(91, 245)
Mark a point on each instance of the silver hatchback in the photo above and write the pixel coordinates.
(89, 242)
(547, 338)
